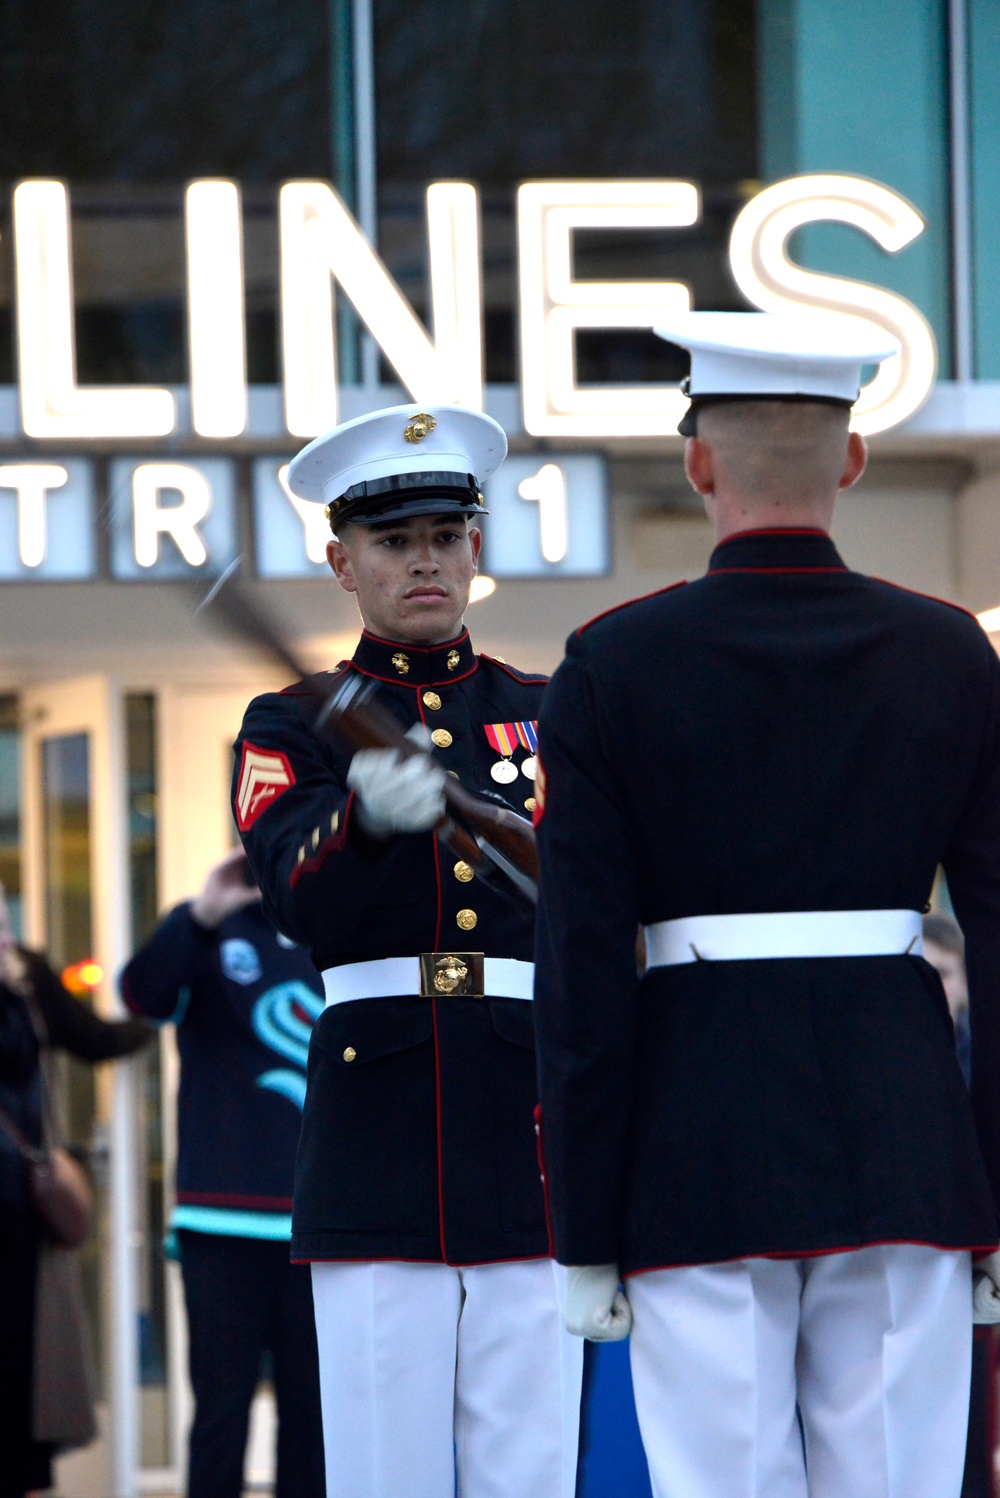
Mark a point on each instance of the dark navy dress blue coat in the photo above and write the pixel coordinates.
(418, 1137)
(781, 735)
(244, 1001)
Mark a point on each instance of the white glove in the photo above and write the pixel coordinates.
(595, 1307)
(396, 794)
(986, 1291)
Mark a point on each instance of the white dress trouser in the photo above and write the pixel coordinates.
(873, 1347)
(425, 1368)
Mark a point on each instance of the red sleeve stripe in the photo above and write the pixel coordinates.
(335, 843)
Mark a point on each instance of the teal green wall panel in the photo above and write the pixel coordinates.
(861, 86)
(984, 39)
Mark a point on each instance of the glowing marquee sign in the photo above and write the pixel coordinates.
(164, 520)
(323, 247)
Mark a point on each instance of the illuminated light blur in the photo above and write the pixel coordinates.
(554, 306)
(773, 282)
(179, 521)
(456, 293)
(547, 489)
(321, 243)
(990, 620)
(82, 977)
(32, 481)
(52, 404)
(216, 328)
(482, 587)
(313, 517)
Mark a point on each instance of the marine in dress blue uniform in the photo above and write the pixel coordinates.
(418, 1197)
(768, 1134)
(244, 1001)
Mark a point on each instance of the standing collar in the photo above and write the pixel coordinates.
(415, 665)
(792, 549)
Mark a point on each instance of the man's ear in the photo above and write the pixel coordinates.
(698, 466)
(476, 542)
(856, 461)
(339, 560)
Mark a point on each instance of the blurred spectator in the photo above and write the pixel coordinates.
(944, 949)
(244, 1001)
(36, 1014)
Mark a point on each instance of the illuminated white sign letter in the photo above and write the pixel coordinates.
(216, 332)
(547, 488)
(554, 306)
(52, 404)
(180, 522)
(313, 517)
(320, 242)
(774, 283)
(32, 481)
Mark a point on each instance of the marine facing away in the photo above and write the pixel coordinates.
(768, 1133)
(418, 1199)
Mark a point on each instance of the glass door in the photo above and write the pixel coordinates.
(76, 909)
(196, 726)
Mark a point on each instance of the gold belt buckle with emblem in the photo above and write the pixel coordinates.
(452, 975)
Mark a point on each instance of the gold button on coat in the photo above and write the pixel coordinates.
(432, 700)
(530, 804)
(442, 738)
(464, 871)
(467, 919)
(350, 1053)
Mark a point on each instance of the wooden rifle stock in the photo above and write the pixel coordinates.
(497, 844)
(368, 725)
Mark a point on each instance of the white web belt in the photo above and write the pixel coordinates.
(794, 933)
(433, 973)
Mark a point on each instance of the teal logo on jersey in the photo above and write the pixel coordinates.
(283, 1018)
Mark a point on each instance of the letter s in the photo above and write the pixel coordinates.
(774, 283)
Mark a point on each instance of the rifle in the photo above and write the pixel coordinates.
(497, 844)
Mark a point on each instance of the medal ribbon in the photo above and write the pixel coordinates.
(503, 737)
(527, 736)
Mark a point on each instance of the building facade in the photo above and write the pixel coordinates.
(217, 236)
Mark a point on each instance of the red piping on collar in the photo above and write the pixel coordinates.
(416, 686)
(777, 530)
(366, 634)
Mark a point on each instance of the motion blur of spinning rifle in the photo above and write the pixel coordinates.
(498, 844)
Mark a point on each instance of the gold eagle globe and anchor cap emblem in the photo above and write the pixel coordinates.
(401, 462)
(420, 427)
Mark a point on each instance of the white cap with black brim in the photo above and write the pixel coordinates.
(807, 356)
(400, 462)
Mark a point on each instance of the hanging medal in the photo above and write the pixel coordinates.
(527, 737)
(503, 738)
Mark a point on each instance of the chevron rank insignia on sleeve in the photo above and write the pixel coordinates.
(264, 775)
